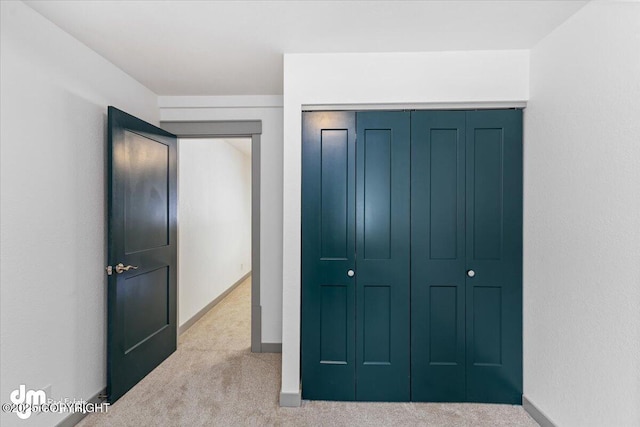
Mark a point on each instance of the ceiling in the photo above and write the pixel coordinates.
(236, 47)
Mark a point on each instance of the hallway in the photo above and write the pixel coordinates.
(214, 379)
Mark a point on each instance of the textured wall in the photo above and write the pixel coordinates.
(582, 220)
(54, 96)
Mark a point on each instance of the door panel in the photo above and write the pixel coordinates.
(443, 174)
(142, 233)
(487, 325)
(377, 325)
(443, 325)
(146, 305)
(494, 239)
(377, 194)
(147, 193)
(382, 242)
(437, 256)
(328, 251)
(334, 193)
(333, 325)
(487, 193)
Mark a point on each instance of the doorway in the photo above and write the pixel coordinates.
(214, 223)
(252, 130)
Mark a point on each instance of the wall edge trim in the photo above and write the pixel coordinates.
(535, 413)
(291, 399)
(271, 347)
(75, 417)
(418, 106)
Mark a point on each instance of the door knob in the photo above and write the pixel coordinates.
(471, 273)
(351, 273)
(120, 268)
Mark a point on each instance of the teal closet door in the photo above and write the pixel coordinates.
(382, 260)
(494, 255)
(438, 256)
(328, 253)
(466, 269)
(412, 256)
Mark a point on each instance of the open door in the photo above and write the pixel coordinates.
(142, 295)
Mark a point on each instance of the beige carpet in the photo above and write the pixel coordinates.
(214, 380)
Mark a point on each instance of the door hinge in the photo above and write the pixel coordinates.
(109, 270)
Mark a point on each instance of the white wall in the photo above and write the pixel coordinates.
(390, 78)
(214, 221)
(269, 110)
(582, 220)
(54, 94)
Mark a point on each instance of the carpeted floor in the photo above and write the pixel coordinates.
(214, 380)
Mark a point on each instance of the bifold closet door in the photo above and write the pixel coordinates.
(328, 253)
(467, 256)
(412, 256)
(382, 260)
(355, 256)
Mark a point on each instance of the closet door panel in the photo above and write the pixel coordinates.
(437, 256)
(328, 252)
(494, 253)
(382, 261)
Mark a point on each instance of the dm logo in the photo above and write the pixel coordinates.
(25, 400)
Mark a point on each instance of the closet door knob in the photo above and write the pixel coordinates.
(471, 273)
(351, 273)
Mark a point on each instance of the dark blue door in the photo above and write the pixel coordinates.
(467, 256)
(494, 256)
(382, 260)
(438, 256)
(328, 253)
(355, 256)
(142, 294)
(412, 256)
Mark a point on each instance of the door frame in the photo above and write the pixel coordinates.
(236, 129)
